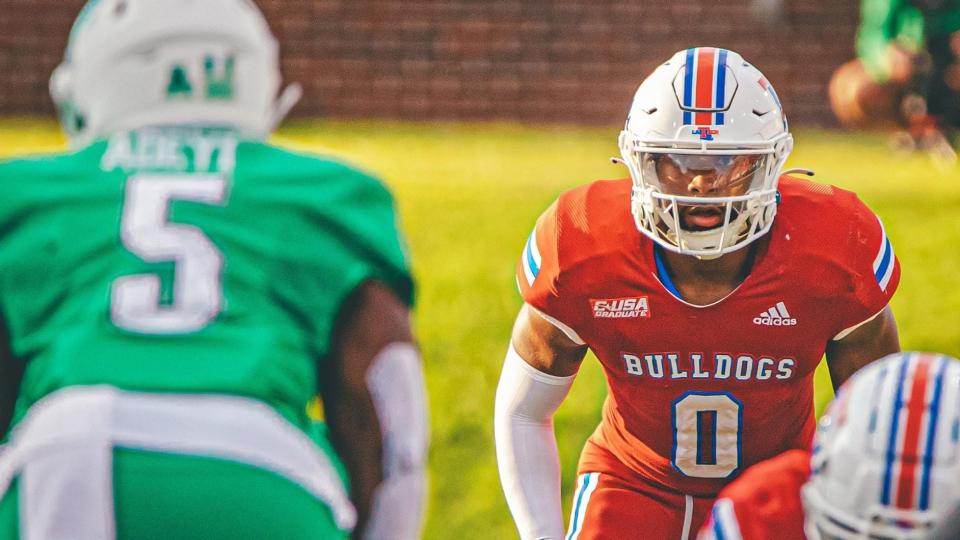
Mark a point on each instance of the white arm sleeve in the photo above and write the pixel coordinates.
(395, 380)
(527, 448)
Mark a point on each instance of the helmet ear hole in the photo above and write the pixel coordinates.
(61, 91)
(79, 122)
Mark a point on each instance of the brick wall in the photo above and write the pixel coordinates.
(532, 60)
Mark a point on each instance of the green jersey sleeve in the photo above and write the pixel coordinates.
(349, 233)
(882, 23)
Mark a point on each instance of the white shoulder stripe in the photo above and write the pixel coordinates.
(530, 258)
(883, 246)
(527, 271)
(535, 249)
(885, 280)
(883, 263)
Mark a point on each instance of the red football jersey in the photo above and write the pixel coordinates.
(762, 503)
(698, 393)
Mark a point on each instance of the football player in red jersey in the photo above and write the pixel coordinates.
(886, 464)
(708, 315)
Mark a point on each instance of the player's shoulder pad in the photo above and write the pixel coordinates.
(581, 225)
(790, 467)
(538, 269)
(308, 165)
(872, 247)
(841, 225)
(24, 178)
(50, 163)
(325, 183)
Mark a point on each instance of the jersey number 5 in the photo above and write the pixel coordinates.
(145, 230)
(706, 434)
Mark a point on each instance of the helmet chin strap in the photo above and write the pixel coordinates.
(708, 257)
(716, 239)
(709, 239)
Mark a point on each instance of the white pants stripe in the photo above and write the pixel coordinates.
(63, 451)
(586, 484)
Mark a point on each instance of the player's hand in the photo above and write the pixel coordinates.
(902, 63)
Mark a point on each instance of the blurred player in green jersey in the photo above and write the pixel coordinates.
(175, 291)
(906, 73)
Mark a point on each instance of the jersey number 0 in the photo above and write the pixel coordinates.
(146, 231)
(706, 434)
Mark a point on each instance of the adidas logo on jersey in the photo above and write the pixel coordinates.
(620, 308)
(775, 316)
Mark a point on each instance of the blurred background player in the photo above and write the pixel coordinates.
(886, 462)
(708, 315)
(906, 73)
(175, 291)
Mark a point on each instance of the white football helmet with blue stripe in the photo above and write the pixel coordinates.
(886, 457)
(136, 63)
(705, 111)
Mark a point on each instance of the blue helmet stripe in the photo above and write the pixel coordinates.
(720, 94)
(931, 435)
(688, 79)
(894, 429)
(688, 86)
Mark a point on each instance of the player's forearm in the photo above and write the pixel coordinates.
(527, 448)
(374, 383)
(11, 374)
(355, 434)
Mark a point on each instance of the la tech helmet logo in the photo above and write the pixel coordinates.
(705, 133)
(621, 308)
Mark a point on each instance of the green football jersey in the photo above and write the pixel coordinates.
(187, 260)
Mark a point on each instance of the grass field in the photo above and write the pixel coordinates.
(468, 196)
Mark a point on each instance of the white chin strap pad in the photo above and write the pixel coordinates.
(527, 448)
(285, 103)
(395, 380)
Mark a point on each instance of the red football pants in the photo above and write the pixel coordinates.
(612, 502)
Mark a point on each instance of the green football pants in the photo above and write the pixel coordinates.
(167, 496)
(97, 463)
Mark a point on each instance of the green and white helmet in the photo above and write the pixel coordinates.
(136, 63)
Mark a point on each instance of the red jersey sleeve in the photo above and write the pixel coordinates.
(538, 270)
(762, 503)
(874, 269)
